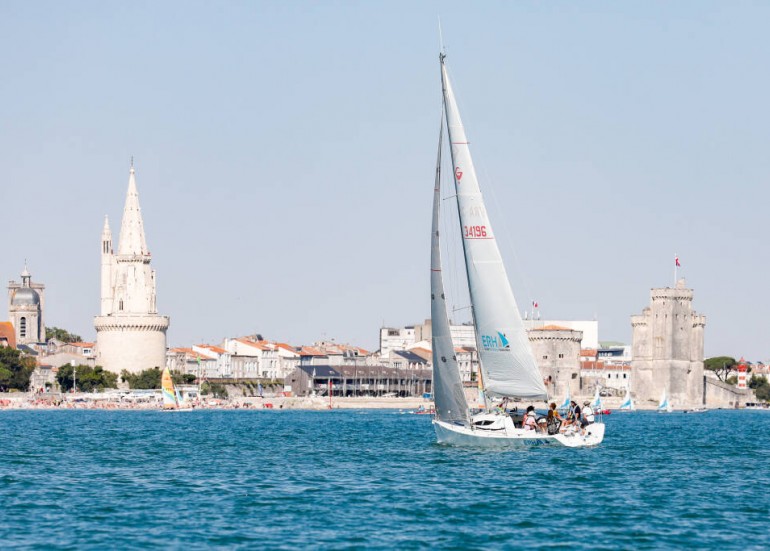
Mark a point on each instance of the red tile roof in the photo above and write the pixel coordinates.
(7, 332)
(213, 348)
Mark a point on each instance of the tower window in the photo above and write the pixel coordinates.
(23, 327)
(120, 305)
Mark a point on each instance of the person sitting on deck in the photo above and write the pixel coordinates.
(573, 416)
(529, 422)
(553, 420)
(588, 415)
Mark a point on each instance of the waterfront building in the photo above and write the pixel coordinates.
(396, 338)
(357, 380)
(187, 360)
(130, 334)
(26, 308)
(668, 348)
(405, 338)
(273, 360)
(405, 359)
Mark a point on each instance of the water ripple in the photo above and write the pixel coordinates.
(348, 479)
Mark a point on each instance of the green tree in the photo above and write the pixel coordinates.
(15, 369)
(150, 378)
(180, 378)
(87, 378)
(61, 335)
(215, 389)
(147, 379)
(721, 365)
(761, 387)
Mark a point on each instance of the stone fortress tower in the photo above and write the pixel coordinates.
(26, 304)
(130, 334)
(668, 349)
(557, 353)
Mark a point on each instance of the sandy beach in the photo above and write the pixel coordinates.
(116, 401)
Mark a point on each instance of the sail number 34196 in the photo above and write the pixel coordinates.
(474, 232)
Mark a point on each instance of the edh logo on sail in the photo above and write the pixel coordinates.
(500, 342)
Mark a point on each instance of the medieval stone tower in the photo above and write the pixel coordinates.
(668, 349)
(130, 334)
(26, 304)
(557, 353)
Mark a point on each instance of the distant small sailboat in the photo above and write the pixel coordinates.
(172, 398)
(596, 403)
(628, 402)
(664, 406)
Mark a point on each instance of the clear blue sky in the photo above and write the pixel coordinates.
(285, 155)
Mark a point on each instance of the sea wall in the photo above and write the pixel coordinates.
(723, 395)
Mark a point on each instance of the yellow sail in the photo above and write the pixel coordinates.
(167, 387)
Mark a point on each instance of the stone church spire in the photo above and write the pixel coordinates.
(130, 334)
(132, 242)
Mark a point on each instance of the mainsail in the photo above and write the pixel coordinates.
(448, 392)
(505, 355)
(167, 388)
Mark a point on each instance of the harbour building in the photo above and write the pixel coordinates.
(130, 334)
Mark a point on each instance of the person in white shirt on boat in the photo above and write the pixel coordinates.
(588, 415)
(529, 422)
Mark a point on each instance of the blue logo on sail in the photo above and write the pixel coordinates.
(499, 342)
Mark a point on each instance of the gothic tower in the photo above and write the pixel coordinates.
(26, 304)
(668, 349)
(130, 334)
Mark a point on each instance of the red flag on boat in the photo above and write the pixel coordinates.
(676, 261)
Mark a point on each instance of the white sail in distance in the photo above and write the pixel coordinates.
(508, 366)
(448, 393)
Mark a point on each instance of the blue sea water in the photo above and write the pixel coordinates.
(375, 479)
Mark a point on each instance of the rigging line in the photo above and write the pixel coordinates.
(507, 233)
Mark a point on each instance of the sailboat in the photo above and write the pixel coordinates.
(564, 407)
(172, 399)
(596, 403)
(508, 368)
(664, 406)
(628, 402)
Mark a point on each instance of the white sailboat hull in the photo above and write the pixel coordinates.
(508, 437)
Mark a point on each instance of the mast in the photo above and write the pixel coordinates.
(505, 355)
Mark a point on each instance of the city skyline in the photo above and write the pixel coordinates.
(284, 156)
